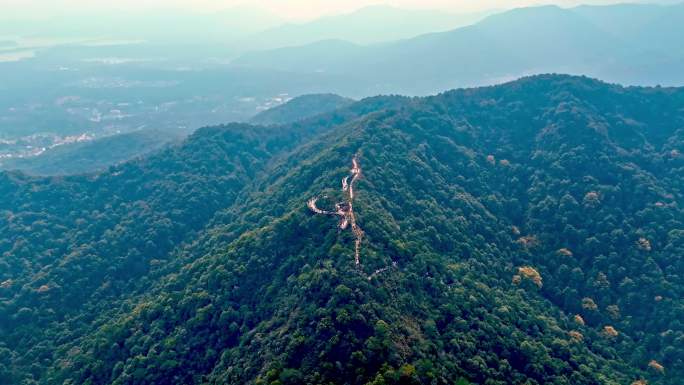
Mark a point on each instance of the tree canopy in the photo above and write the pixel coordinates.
(529, 233)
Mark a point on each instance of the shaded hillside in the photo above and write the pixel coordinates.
(78, 158)
(630, 44)
(300, 108)
(528, 233)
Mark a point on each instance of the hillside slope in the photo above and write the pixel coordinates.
(79, 158)
(529, 233)
(75, 248)
(300, 108)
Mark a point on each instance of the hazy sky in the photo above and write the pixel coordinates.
(297, 9)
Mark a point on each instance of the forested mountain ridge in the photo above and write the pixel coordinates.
(532, 233)
(73, 246)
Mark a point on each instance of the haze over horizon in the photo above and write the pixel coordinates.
(290, 10)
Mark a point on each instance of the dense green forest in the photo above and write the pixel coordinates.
(529, 233)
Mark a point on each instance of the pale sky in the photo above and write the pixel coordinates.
(293, 9)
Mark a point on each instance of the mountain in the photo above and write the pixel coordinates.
(107, 237)
(300, 108)
(85, 157)
(523, 233)
(626, 44)
(367, 25)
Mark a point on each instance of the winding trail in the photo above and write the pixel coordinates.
(345, 210)
(312, 206)
(358, 233)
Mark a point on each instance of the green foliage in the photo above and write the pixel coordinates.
(459, 191)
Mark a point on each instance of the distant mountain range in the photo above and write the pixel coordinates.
(367, 25)
(630, 44)
(235, 29)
